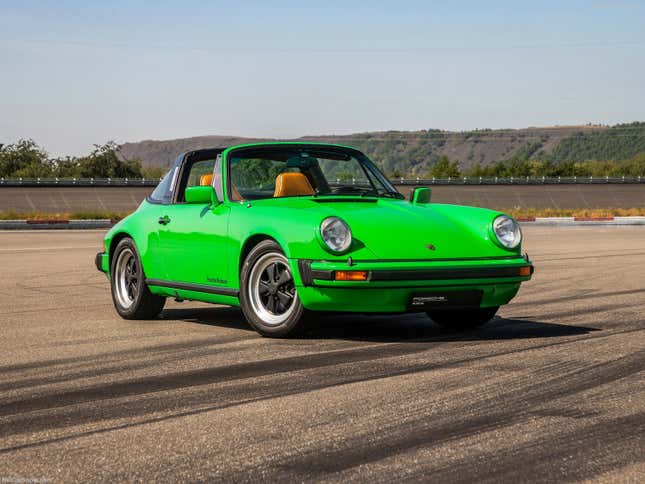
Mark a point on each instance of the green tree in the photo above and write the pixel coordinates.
(153, 172)
(444, 168)
(67, 167)
(24, 159)
(104, 162)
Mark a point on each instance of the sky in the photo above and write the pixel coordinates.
(77, 73)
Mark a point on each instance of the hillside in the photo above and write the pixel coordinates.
(414, 152)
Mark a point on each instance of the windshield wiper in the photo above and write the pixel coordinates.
(376, 193)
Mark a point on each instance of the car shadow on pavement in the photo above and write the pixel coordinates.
(222, 316)
(415, 327)
(387, 328)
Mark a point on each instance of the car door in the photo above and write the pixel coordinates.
(156, 208)
(193, 237)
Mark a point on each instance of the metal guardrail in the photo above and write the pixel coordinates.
(519, 180)
(79, 182)
(152, 182)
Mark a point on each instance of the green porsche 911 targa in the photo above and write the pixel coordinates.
(285, 230)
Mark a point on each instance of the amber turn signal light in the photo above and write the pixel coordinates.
(350, 275)
(525, 271)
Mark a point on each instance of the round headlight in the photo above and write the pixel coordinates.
(336, 234)
(507, 231)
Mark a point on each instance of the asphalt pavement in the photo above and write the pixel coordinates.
(553, 389)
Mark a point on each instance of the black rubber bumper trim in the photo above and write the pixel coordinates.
(223, 291)
(308, 275)
(447, 274)
(98, 259)
(304, 266)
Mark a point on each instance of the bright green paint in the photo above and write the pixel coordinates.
(203, 242)
(421, 195)
(200, 195)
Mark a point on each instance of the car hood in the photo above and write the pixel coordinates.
(398, 229)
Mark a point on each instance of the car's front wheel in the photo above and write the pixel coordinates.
(268, 295)
(462, 319)
(130, 294)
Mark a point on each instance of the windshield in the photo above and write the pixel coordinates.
(291, 171)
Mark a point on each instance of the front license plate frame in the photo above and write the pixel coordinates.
(445, 299)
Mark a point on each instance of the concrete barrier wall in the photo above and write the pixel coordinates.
(71, 199)
(125, 199)
(539, 196)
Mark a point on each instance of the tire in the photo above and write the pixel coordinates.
(462, 319)
(130, 294)
(268, 296)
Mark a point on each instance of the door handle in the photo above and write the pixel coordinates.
(165, 220)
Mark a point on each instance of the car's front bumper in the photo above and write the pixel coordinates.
(101, 262)
(400, 286)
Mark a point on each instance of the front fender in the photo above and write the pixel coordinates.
(138, 228)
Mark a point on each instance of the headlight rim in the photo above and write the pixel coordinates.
(497, 238)
(324, 224)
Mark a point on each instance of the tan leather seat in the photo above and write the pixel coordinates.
(292, 185)
(207, 180)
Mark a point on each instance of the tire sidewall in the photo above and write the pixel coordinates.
(126, 312)
(293, 324)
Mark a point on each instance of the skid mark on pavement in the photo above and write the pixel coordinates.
(242, 392)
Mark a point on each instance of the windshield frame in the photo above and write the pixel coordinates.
(366, 164)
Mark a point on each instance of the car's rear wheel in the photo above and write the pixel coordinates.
(462, 319)
(268, 295)
(130, 294)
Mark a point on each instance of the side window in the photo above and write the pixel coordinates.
(200, 173)
(163, 192)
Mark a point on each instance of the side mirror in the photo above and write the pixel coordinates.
(200, 195)
(421, 195)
